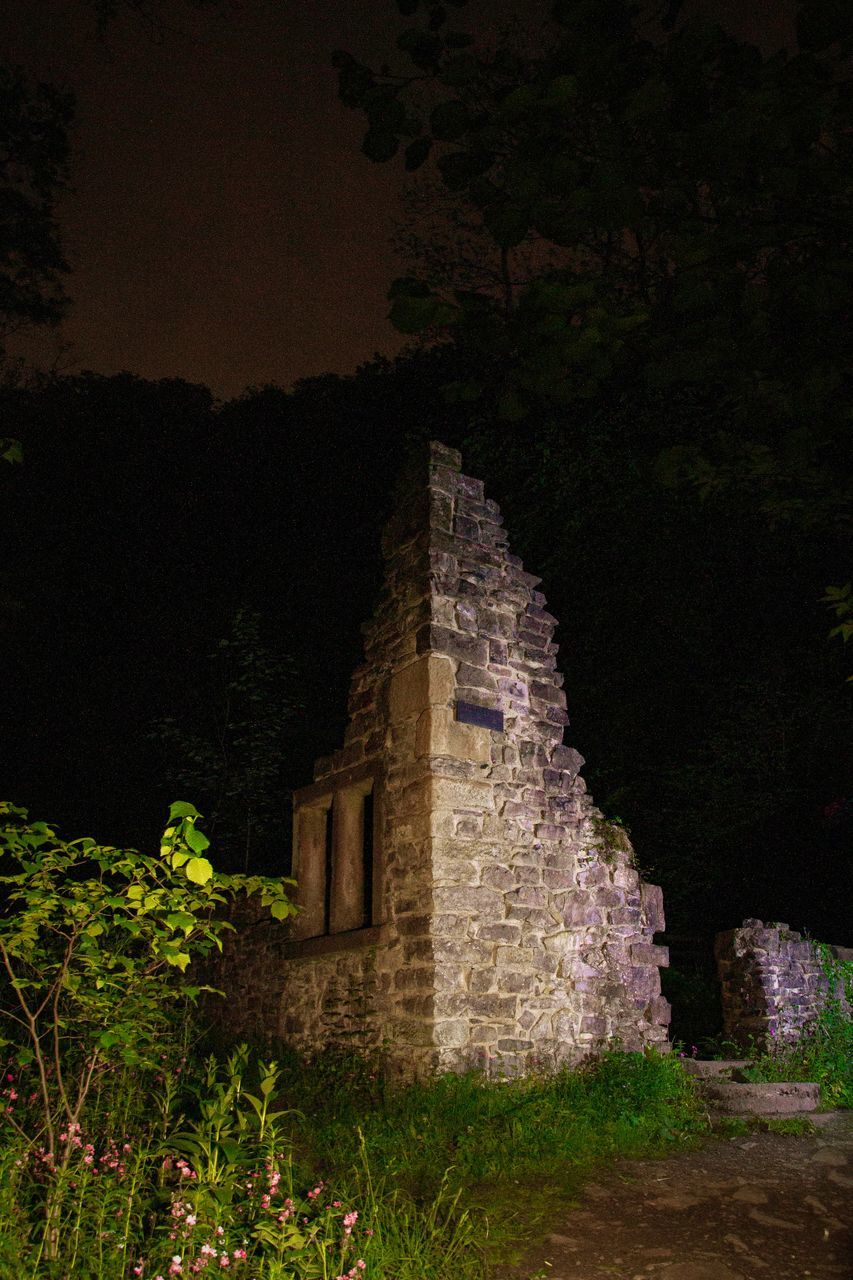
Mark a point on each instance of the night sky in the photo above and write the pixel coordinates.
(223, 225)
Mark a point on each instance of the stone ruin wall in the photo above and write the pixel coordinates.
(508, 927)
(773, 984)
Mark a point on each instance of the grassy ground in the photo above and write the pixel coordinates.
(502, 1154)
(319, 1171)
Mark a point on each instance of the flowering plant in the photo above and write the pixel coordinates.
(94, 942)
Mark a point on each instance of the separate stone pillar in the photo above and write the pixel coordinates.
(773, 984)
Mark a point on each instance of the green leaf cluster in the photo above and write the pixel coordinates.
(671, 213)
(95, 943)
(226, 747)
(34, 156)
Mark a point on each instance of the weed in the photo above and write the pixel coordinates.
(796, 1126)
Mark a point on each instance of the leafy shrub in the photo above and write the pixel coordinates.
(94, 942)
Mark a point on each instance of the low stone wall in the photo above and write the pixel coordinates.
(773, 984)
(279, 991)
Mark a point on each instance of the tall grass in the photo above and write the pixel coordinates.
(319, 1170)
(506, 1152)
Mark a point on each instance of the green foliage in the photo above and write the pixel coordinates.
(228, 747)
(203, 1179)
(10, 450)
(202, 1160)
(34, 153)
(511, 1150)
(95, 942)
(668, 212)
(612, 840)
(840, 601)
(793, 1126)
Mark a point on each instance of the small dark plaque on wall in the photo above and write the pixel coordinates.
(470, 713)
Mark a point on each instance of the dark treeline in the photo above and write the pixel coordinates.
(703, 687)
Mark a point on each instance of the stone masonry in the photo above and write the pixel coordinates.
(484, 914)
(773, 984)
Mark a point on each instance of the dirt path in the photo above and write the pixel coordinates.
(763, 1207)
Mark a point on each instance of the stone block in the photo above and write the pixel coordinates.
(514, 957)
(419, 1006)
(469, 900)
(549, 831)
(660, 1011)
(427, 682)
(414, 979)
(503, 932)
(498, 877)
(450, 870)
(451, 928)
(439, 734)
(461, 646)
(516, 983)
(475, 677)
(646, 953)
(547, 692)
(651, 907)
(482, 1033)
(494, 1006)
(450, 793)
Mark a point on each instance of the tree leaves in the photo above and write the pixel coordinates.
(822, 23)
(182, 809)
(380, 145)
(198, 870)
(449, 120)
(417, 153)
(34, 154)
(196, 839)
(698, 186)
(415, 308)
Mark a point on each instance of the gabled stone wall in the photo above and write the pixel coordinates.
(773, 984)
(505, 925)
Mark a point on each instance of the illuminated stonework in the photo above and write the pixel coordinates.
(463, 901)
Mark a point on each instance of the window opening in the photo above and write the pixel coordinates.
(367, 857)
(327, 873)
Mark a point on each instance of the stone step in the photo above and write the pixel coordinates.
(711, 1068)
(719, 1083)
(786, 1098)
